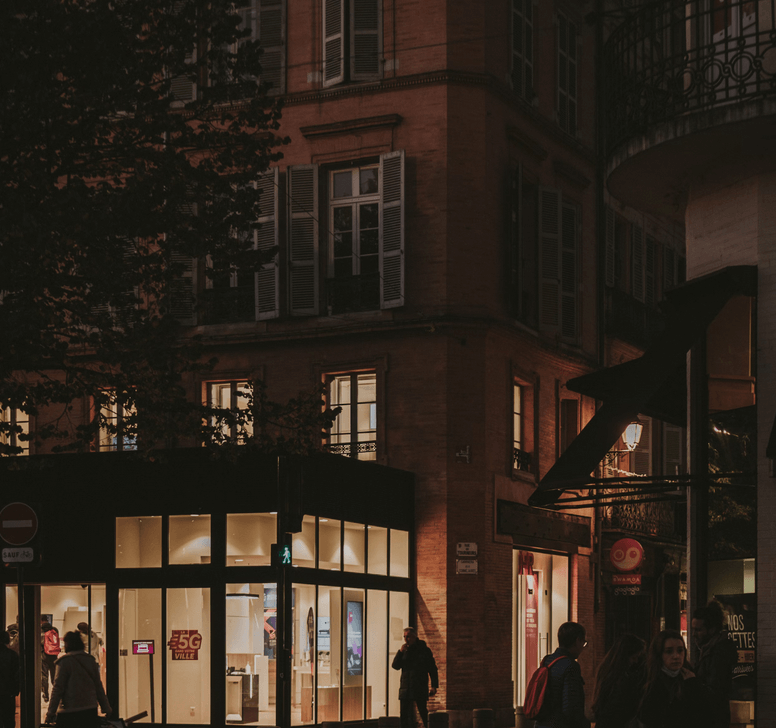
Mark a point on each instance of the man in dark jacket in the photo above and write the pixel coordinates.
(564, 701)
(417, 665)
(9, 681)
(716, 659)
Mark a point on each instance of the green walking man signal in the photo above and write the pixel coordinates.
(282, 551)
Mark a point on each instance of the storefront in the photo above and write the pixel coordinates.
(192, 612)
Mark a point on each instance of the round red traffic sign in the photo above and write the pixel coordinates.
(18, 524)
(627, 554)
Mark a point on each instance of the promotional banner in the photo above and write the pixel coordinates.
(185, 644)
(741, 615)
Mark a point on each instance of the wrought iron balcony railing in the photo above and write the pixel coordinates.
(670, 58)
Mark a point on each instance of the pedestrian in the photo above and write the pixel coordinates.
(673, 696)
(716, 660)
(564, 701)
(50, 649)
(89, 635)
(77, 690)
(9, 681)
(417, 665)
(619, 683)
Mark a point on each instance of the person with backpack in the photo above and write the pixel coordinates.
(50, 650)
(563, 704)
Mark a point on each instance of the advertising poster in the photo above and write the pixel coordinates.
(740, 613)
(185, 643)
(355, 637)
(531, 623)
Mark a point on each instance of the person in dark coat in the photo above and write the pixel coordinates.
(417, 665)
(9, 681)
(564, 701)
(718, 656)
(673, 696)
(619, 683)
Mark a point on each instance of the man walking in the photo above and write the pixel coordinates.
(9, 681)
(564, 702)
(716, 659)
(417, 665)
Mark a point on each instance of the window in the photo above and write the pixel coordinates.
(138, 542)
(232, 398)
(522, 431)
(364, 240)
(567, 74)
(14, 431)
(569, 423)
(118, 424)
(524, 247)
(522, 48)
(352, 40)
(354, 276)
(354, 432)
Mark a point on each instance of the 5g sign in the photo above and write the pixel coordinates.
(185, 644)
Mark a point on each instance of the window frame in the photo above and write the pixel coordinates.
(10, 415)
(234, 388)
(567, 58)
(121, 414)
(524, 461)
(340, 29)
(522, 59)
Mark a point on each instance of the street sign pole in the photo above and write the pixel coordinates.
(22, 661)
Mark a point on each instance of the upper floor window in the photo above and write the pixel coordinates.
(233, 399)
(522, 48)
(522, 427)
(14, 431)
(117, 423)
(354, 432)
(352, 40)
(567, 74)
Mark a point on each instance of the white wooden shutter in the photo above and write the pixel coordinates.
(303, 239)
(391, 231)
(610, 246)
(266, 238)
(569, 281)
(650, 271)
(333, 42)
(672, 449)
(549, 258)
(365, 39)
(637, 261)
(641, 458)
(271, 32)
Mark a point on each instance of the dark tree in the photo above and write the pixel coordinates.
(132, 136)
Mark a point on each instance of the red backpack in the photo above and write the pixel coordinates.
(51, 642)
(536, 689)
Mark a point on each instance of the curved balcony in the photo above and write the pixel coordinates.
(690, 78)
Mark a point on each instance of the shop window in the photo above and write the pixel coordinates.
(329, 653)
(188, 656)
(522, 48)
(138, 542)
(14, 431)
(399, 613)
(354, 432)
(354, 547)
(233, 398)
(377, 656)
(352, 40)
(377, 548)
(251, 659)
(117, 418)
(141, 637)
(567, 74)
(190, 539)
(303, 544)
(302, 701)
(353, 690)
(400, 553)
(329, 544)
(249, 538)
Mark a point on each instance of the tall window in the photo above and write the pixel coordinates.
(524, 247)
(352, 40)
(567, 74)
(522, 48)
(521, 454)
(117, 423)
(354, 270)
(232, 397)
(14, 431)
(354, 432)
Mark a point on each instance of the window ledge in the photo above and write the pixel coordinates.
(351, 125)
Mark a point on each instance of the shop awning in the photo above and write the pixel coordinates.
(642, 385)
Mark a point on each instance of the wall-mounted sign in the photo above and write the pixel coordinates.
(18, 524)
(19, 555)
(466, 550)
(466, 566)
(626, 579)
(143, 647)
(627, 554)
(185, 643)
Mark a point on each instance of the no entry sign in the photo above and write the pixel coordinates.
(18, 524)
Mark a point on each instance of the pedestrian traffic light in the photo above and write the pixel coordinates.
(283, 556)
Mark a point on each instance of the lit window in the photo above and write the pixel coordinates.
(14, 432)
(233, 424)
(522, 431)
(354, 432)
(117, 423)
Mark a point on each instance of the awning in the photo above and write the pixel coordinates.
(640, 386)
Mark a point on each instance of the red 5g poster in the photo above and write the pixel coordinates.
(185, 643)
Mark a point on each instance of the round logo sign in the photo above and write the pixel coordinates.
(627, 554)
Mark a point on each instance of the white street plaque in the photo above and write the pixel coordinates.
(466, 566)
(18, 555)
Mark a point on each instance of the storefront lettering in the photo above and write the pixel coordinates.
(185, 644)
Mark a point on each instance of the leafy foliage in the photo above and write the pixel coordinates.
(109, 187)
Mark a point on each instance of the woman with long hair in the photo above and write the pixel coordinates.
(673, 697)
(619, 682)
